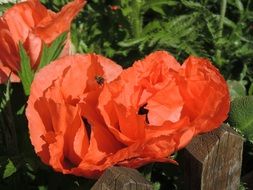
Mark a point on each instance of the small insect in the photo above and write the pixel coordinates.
(100, 80)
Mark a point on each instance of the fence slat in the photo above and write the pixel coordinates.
(213, 161)
(121, 178)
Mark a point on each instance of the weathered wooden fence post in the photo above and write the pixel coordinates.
(212, 161)
(121, 178)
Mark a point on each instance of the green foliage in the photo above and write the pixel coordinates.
(242, 186)
(243, 86)
(5, 97)
(26, 73)
(54, 5)
(182, 27)
(50, 53)
(236, 89)
(241, 115)
(9, 169)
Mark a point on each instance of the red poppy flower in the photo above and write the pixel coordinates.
(65, 126)
(205, 94)
(159, 101)
(31, 23)
(85, 115)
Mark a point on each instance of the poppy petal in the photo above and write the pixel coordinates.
(49, 30)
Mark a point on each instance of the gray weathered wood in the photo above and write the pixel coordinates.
(121, 178)
(212, 161)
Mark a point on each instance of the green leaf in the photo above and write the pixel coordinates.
(159, 10)
(21, 110)
(6, 96)
(241, 115)
(191, 4)
(151, 4)
(26, 73)
(156, 186)
(9, 169)
(236, 89)
(239, 5)
(228, 22)
(131, 42)
(250, 92)
(243, 72)
(42, 187)
(52, 52)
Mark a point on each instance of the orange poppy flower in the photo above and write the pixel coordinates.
(65, 126)
(158, 101)
(31, 24)
(85, 114)
(205, 94)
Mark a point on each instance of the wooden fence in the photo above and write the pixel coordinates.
(212, 161)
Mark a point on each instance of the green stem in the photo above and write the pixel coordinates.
(222, 13)
(136, 19)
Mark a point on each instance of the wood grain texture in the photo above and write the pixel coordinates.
(121, 178)
(212, 161)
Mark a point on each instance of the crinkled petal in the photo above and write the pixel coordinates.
(50, 29)
(24, 16)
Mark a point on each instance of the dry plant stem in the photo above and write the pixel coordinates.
(222, 13)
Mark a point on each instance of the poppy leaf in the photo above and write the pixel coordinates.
(131, 42)
(236, 88)
(154, 4)
(52, 52)
(5, 96)
(26, 73)
(250, 91)
(9, 169)
(191, 4)
(57, 46)
(241, 115)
